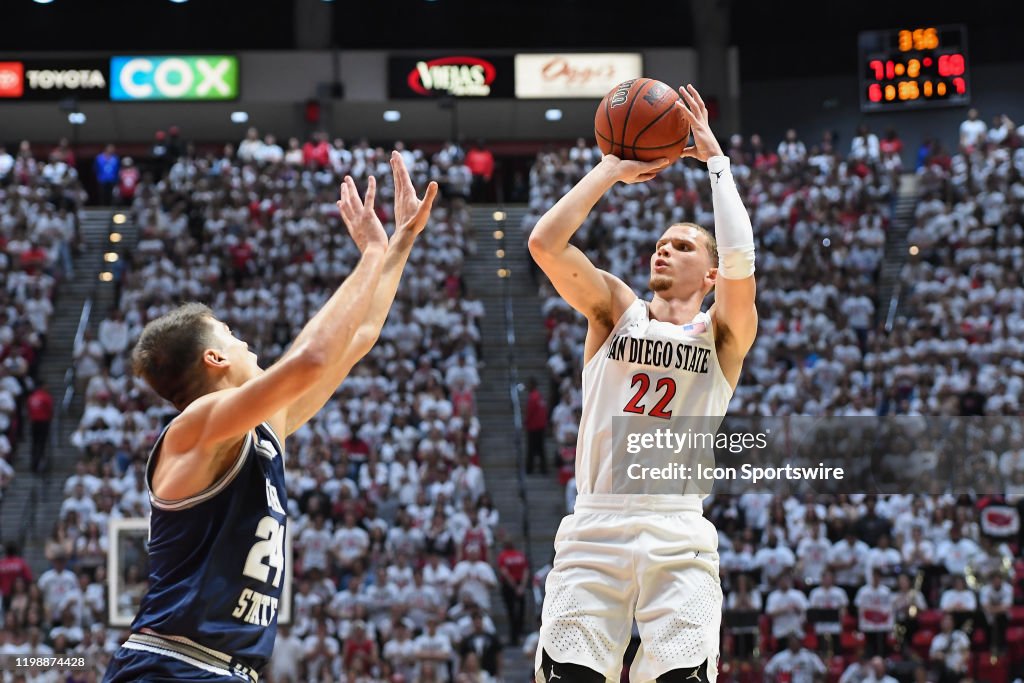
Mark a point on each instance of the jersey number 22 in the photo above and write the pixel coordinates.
(666, 384)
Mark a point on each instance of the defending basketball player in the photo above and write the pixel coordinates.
(653, 557)
(216, 474)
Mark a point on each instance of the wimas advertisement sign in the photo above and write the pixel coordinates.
(457, 75)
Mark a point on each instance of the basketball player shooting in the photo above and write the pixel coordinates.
(216, 474)
(652, 557)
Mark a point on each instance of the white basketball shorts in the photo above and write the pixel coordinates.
(652, 557)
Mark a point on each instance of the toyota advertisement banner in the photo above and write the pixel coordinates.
(174, 78)
(41, 80)
(559, 76)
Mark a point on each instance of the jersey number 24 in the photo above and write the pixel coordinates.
(268, 553)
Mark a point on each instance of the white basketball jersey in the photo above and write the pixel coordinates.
(645, 367)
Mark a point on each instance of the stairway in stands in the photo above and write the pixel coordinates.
(31, 504)
(891, 298)
(541, 498)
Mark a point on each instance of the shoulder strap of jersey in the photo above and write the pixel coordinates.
(211, 490)
(637, 310)
(151, 460)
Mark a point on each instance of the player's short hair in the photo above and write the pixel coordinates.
(169, 352)
(709, 239)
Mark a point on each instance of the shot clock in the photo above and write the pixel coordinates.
(915, 67)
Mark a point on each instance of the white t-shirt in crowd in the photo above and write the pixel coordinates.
(875, 607)
(971, 132)
(832, 597)
(803, 665)
(956, 647)
(791, 620)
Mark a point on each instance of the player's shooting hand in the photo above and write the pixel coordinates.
(705, 145)
(633, 171)
(411, 212)
(360, 218)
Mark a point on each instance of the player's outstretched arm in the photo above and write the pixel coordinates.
(230, 413)
(733, 313)
(596, 294)
(411, 216)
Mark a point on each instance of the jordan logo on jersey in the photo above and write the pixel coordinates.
(659, 353)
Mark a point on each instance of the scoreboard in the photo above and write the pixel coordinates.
(912, 68)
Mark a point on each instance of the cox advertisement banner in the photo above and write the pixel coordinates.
(554, 76)
(455, 75)
(193, 77)
(49, 79)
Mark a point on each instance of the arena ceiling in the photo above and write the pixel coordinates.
(804, 37)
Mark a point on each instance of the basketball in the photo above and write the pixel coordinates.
(639, 120)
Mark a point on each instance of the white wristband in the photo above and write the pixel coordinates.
(733, 231)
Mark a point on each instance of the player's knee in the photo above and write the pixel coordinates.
(567, 672)
(697, 674)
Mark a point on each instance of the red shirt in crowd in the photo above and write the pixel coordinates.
(452, 286)
(514, 562)
(40, 405)
(128, 179)
(316, 155)
(357, 449)
(480, 162)
(10, 569)
(352, 648)
(475, 538)
(893, 146)
(240, 254)
(766, 160)
(462, 400)
(33, 259)
(536, 412)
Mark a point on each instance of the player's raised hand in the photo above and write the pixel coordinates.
(705, 145)
(629, 171)
(360, 218)
(411, 212)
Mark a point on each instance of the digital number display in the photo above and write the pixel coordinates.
(914, 67)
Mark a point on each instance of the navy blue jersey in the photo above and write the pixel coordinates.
(217, 559)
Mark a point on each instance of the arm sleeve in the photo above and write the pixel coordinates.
(733, 231)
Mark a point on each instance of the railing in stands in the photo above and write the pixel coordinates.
(28, 516)
(514, 389)
(894, 304)
(69, 376)
(28, 513)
